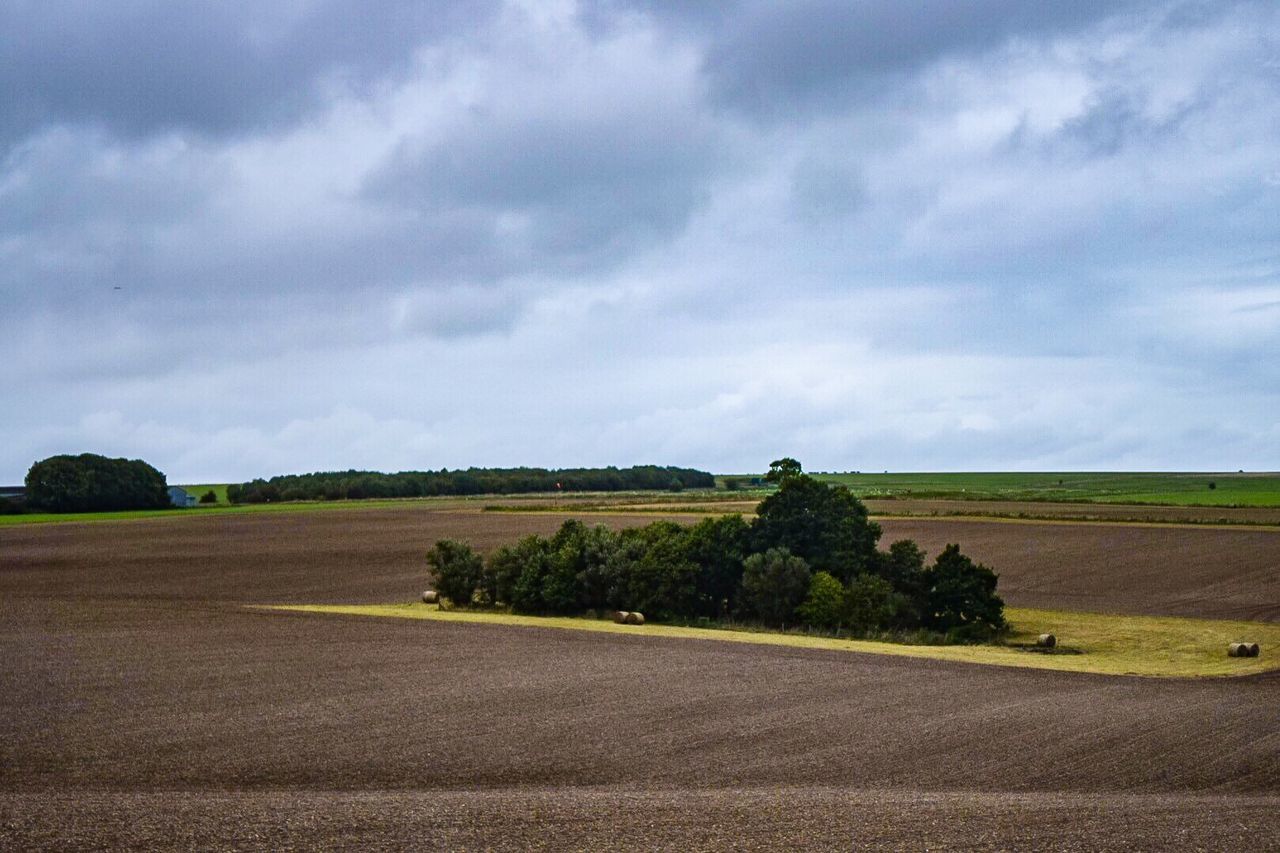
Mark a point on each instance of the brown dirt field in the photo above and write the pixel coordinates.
(1186, 571)
(142, 706)
(1081, 511)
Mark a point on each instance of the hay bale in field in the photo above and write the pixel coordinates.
(1238, 650)
(1046, 641)
(1254, 649)
(430, 596)
(620, 616)
(634, 618)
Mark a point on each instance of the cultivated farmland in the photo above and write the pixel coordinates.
(142, 703)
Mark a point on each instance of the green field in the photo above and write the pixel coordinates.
(1178, 489)
(219, 489)
(1154, 646)
(210, 510)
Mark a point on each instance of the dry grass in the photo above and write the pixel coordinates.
(1166, 647)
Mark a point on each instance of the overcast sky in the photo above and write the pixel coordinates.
(248, 239)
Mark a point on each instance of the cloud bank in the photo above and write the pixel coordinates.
(882, 235)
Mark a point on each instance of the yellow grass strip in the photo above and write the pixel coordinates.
(1160, 646)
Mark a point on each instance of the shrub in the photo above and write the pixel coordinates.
(209, 497)
(773, 585)
(825, 605)
(8, 507)
(502, 572)
(457, 570)
(871, 604)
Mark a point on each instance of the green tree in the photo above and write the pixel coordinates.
(962, 599)
(503, 570)
(774, 584)
(826, 525)
(654, 573)
(824, 607)
(718, 546)
(209, 497)
(904, 568)
(456, 569)
(871, 604)
(93, 483)
(781, 470)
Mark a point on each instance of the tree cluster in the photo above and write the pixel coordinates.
(810, 557)
(93, 483)
(355, 485)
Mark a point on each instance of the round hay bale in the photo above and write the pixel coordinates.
(634, 618)
(1238, 650)
(1046, 641)
(620, 616)
(1254, 650)
(430, 596)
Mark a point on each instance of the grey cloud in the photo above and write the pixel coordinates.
(825, 189)
(138, 67)
(772, 59)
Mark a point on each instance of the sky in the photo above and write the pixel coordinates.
(239, 240)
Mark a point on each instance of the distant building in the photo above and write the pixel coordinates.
(179, 496)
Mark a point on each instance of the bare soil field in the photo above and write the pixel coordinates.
(142, 705)
(1108, 568)
(1079, 511)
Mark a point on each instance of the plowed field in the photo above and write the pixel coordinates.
(142, 705)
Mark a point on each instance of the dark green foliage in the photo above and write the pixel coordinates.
(720, 567)
(825, 606)
(654, 574)
(783, 469)
(903, 568)
(676, 485)
(826, 525)
(718, 546)
(871, 604)
(8, 507)
(93, 483)
(355, 485)
(773, 585)
(209, 497)
(456, 569)
(504, 568)
(962, 599)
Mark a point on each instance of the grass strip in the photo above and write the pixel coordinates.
(1108, 644)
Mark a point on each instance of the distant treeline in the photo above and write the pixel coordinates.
(356, 485)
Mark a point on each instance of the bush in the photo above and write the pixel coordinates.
(209, 497)
(93, 483)
(456, 569)
(871, 604)
(8, 507)
(825, 605)
(773, 585)
(502, 572)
